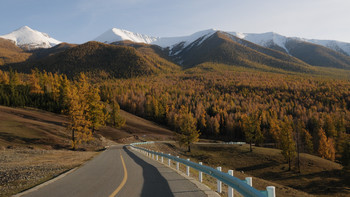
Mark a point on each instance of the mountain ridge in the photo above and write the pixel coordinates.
(29, 39)
(262, 39)
(121, 53)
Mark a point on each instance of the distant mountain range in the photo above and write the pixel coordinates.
(115, 49)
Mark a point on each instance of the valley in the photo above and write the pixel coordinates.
(283, 96)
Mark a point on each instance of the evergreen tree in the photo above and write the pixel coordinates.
(78, 112)
(188, 133)
(251, 128)
(307, 139)
(4, 77)
(63, 97)
(34, 83)
(95, 109)
(116, 120)
(345, 154)
(326, 147)
(287, 142)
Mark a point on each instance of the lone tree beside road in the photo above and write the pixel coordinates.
(188, 133)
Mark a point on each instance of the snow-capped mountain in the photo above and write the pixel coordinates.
(270, 39)
(115, 35)
(29, 39)
(338, 46)
(264, 39)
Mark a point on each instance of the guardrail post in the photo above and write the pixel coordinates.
(219, 182)
(188, 169)
(177, 165)
(161, 159)
(249, 181)
(152, 156)
(200, 174)
(157, 157)
(230, 189)
(169, 160)
(271, 191)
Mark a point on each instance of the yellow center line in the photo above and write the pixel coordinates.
(124, 179)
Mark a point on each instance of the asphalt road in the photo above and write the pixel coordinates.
(120, 172)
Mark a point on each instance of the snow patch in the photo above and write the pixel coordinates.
(115, 35)
(342, 47)
(25, 37)
(177, 44)
(263, 39)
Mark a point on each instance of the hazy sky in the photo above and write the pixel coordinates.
(78, 21)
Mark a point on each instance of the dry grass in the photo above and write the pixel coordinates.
(318, 176)
(32, 128)
(137, 129)
(10, 53)
(27, 139)
(21, 169)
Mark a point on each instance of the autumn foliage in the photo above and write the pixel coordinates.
(290, 112)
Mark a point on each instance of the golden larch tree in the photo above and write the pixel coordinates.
(287, 142)
(188, 133)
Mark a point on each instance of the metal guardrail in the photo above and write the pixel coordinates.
(239, 143)
(240, 186)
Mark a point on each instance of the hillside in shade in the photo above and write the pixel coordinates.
(127, 54)
(117, 61)
(318, 55)
(221, 48)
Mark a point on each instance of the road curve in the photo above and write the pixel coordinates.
(120, 172)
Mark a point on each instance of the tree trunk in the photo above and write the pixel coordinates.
(73, 139)
(298, 163)
(189, 148)
(289, 164)
(250, 146)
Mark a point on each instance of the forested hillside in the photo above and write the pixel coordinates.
(117, 61)
(79, 99)
(296, 113)
(222, 48)
(256, 107)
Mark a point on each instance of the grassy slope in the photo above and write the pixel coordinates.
(135, 129)
(44, 130)
(27, 137)
(318, 176)
(10, 53)
(32, 128)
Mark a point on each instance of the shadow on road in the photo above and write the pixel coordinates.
(154, 183)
